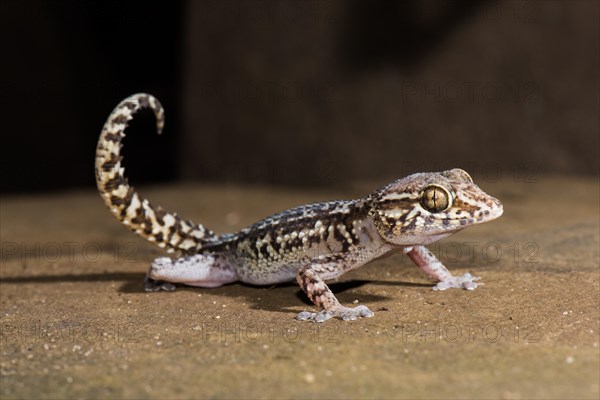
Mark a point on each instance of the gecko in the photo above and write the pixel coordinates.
(311, 244)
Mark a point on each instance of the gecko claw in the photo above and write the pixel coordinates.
(152, 285)
(345, 313)
(321, 316)
(467, 281)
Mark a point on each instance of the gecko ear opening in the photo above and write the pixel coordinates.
(435, 198)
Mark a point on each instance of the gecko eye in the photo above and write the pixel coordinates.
(435, 198)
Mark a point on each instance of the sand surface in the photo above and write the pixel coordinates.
(76, 322)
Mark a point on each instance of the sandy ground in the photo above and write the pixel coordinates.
(77, 324)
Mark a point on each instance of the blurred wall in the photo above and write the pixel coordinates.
(325, 92)
(65, 65)
(300, 92)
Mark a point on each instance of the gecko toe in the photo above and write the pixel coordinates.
(344, 313)
(351, 314)
(466, 281)
(316, 317)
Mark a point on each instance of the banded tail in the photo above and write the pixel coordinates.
(166, 229)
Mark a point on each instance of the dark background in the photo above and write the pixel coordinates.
(300, 93)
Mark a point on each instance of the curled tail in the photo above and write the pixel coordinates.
(167, 230)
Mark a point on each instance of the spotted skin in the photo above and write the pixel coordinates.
(311, 244)
(167, 230)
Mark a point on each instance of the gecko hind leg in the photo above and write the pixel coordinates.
(201, 270)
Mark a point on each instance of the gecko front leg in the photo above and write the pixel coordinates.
(433, 267)
(312, 278)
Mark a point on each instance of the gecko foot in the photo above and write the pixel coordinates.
(152, 285)
(467, 281)
(345, 313)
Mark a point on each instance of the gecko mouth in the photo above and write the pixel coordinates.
(480, 217)
(484, 216)
(496, 212)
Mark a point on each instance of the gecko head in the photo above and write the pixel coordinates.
(425, 207)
